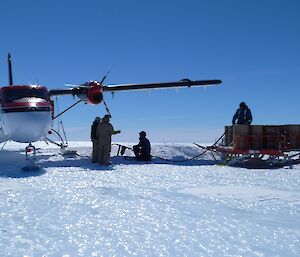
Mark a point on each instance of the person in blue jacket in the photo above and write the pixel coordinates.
(242, 115)
(143, 148)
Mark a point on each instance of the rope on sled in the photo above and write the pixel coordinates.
(122, 149)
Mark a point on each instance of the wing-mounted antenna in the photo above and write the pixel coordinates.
(10, 79)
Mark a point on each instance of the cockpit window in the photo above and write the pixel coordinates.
(17, 93)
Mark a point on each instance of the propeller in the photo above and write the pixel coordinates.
(10, 78)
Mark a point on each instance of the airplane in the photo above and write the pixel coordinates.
(27, 111)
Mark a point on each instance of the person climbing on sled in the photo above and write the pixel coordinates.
(242, 115)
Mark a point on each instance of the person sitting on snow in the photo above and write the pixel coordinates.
(242, 115)
(143, 148)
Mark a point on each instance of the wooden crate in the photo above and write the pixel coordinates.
(256, 137)
(240, 136)
(292, 133)
(270, 136)
(228, 137)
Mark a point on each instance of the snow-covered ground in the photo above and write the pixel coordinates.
(72, 207)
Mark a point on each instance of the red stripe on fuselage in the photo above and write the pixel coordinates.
(26, 104)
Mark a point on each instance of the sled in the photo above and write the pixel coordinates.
(259, 146)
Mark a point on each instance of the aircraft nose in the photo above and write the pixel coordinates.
(26, 127)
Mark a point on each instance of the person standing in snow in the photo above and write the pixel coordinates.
(104, 132)
(94, 139)
(242, 115)
(143, 148)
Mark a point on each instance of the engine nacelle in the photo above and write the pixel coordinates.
(91, 92)
(95, 93)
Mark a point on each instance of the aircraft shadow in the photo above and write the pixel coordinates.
(85, 162)
(80, 162)
(177, 160)
(20, 173)
(12, 163)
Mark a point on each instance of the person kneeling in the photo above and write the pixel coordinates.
(143, 148)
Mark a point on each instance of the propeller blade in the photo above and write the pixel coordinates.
(71, 85)
(10, 78)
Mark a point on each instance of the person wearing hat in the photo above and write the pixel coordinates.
(143, 148)
(104, 132)
(94, 139)
(242, 115)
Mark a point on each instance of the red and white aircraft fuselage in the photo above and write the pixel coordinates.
(25, 113)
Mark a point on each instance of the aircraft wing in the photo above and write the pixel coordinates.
(68, 91)
(92, 92)
(163, 85)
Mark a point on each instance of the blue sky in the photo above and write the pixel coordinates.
(252, 46)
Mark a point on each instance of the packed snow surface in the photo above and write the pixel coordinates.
(72, 207)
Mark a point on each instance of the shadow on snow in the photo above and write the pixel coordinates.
(12, 163)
